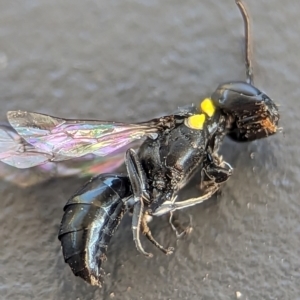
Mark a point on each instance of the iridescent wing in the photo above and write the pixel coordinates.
(55, 139)
(86, 166)
(14, 150)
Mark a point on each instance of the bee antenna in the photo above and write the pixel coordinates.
(248, 61)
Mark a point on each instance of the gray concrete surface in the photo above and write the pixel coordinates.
(131, 60)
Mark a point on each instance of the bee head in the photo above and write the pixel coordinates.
(252, 114)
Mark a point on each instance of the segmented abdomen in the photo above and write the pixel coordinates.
(91, 217)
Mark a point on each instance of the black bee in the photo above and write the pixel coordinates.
(171, 149)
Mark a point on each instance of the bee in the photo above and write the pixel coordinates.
(160, 155)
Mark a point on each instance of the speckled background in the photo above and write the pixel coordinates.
(131, 60)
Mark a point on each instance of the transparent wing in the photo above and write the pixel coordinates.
(86, 166)
(16, 151)
(55, 139)
(89, 165)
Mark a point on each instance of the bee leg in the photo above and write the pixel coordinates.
(147, 232)
(137, 218)
(215, 171)
(193, 201)
(175, 224)
(214, 176)
(136, 176)
(171, 206)
(137, 179)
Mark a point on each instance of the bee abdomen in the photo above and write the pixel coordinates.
(91, 217)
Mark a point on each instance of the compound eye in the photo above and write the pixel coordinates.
(242, 88)
(231, 94)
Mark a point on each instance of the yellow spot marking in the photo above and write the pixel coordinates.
(208, 107)
(196, 121)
